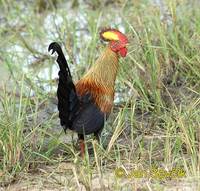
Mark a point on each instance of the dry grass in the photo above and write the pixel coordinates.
(156, 118)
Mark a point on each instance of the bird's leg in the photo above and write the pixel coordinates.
(82, 147)
(97, 135)
(81, 144)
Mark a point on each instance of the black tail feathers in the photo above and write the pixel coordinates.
(55, 47)
(68, 101)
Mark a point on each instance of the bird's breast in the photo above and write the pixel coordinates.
(102, 96)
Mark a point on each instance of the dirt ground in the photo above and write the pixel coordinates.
(64, 177)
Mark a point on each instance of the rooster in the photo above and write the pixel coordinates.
(84, 106)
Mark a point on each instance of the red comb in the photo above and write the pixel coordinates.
(122, 37)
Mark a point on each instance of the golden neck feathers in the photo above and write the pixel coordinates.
(100, 80)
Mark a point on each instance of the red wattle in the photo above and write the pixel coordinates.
(123, 51)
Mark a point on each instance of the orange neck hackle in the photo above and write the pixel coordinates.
(100, 79)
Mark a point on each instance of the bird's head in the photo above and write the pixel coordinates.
(117, 40)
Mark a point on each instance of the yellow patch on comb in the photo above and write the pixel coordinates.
(110, 35)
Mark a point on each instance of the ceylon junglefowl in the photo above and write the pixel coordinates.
(85, 106)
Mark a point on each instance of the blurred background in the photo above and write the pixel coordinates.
(156, 117)
(27, 28)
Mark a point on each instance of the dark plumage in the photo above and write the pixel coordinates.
(84, 107)
(78, 113)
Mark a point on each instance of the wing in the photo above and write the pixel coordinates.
(90, 118)
(68, 102)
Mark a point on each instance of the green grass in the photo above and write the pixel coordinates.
(155, 122)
